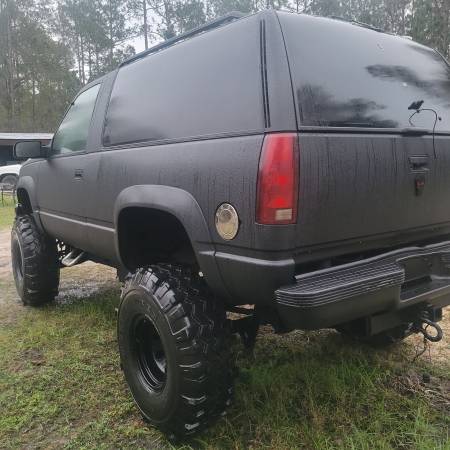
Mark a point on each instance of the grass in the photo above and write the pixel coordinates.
(61, 387)
(6, 211)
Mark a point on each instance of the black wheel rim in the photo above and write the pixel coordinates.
(150, 354)
(17, 260)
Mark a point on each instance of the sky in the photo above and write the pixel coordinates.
(138, 44)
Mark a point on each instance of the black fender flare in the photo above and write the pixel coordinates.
(182, 205)
(28, 184)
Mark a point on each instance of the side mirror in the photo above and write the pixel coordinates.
(29, 149)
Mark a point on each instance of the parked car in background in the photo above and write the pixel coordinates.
(9, 176)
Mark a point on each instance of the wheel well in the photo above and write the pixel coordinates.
(24, 200)
(4, 175)
(148, 236)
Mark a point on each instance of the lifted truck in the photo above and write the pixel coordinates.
(294, 163)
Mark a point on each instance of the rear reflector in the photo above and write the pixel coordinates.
(278, 180)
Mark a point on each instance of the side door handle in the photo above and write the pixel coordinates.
(418, 163)
(78, 174)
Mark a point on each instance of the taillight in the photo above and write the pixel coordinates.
(278, 180)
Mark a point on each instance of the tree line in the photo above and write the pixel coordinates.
(50, 48)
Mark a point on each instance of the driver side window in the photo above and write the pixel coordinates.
(73, 132)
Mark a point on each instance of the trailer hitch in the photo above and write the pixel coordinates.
(427, 319)
(422, 326)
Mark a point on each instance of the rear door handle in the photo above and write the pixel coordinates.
(78, 174)
(418, 163)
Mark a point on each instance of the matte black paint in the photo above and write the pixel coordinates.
(183, 133)
(28, 149)
(396, 280)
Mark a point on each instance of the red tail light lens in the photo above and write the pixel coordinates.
(278, 180)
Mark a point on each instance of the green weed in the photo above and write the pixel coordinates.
(6, 212)
(61, 387)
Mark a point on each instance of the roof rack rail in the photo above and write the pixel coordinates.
(361, 24)
(230, 17)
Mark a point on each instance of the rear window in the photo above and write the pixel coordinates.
(348, 76)
(207, 85)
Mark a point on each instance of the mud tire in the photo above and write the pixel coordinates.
(35, 264)
(193, 386)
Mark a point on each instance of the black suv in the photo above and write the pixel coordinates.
(293, 163)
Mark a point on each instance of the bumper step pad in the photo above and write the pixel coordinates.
(341, 293)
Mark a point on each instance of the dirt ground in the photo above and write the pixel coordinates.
(76, 282)
(88, 278)
(398, 378)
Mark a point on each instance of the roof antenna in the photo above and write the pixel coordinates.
(417, 107)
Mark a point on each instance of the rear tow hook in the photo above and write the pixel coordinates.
(422, 326)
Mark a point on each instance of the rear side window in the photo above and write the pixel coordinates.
(208, 85)
(348, 76)
(73, 132)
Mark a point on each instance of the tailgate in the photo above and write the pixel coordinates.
(368, 163)
(354, 186)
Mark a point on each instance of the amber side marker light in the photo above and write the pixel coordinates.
(278, 180)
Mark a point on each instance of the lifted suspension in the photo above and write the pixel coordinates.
(248, 326)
